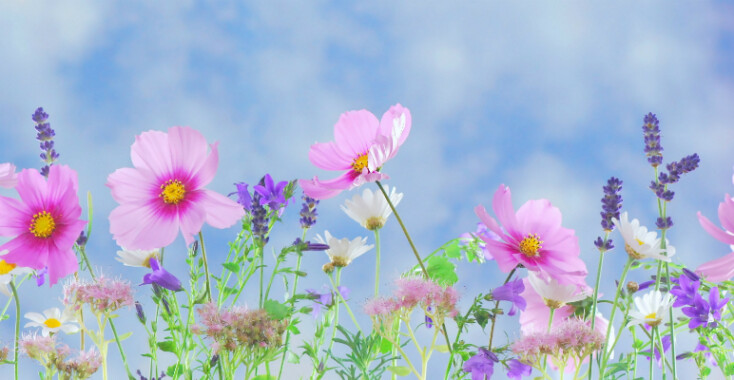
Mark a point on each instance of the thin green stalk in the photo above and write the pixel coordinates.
(415, 252)
(596, 294)
(605, 356)
(496, 305)
(338, 294)
(261, 253)
(206, 267)
(17, 328)
(292, 302)
(652, 350)
(377, 262)
(336, 316)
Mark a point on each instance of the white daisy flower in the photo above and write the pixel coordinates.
(343, 251)
(137, 257)
(53, 321)
(371, 210)
(7, 272)
(639, 243)
(554, 294)
(651, 308)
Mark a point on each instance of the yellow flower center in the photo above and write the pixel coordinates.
(360, 163)
(6, 267)
(652, 319)
(531, 245)
(173, 191)
(42, 225)
(374, 223)
(52, 323)
(632, 253)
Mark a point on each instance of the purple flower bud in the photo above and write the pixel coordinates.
(664, 224)
(139, 311)
(308, 212)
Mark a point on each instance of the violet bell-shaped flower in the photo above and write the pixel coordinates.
(161, 277)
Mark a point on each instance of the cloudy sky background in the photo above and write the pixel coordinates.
(547, 99)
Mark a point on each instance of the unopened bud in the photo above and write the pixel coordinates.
(328, 268)
(195, 248)
(214, 360)
(632, 287)
(139, 311)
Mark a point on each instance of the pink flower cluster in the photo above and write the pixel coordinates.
(45, 350)
(104, 295)
(412, 292)
(238, 327)
(573, 338)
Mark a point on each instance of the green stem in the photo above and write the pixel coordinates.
(596, 294)
(496, 305)
(605, 354)
(336, 316)
(343, 301)
(292, 302)
(652, 350)
(206, 267)
(415, 252)
(261, 252)
(17, 328)
(377, 262)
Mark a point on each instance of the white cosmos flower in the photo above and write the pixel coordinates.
(371, 209)
(137, 257)
(7, 272)
(343, 251)
(53, 321)
(651, 308)
(554, 294)
(639, 242)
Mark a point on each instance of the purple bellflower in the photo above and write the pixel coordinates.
(243, 196)
(704, 313)
(518, 369)
(272, 194)
(511, 292)
(481, 365)
(161, 277)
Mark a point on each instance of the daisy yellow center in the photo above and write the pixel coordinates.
(173, 191)
(652, 319)
(531, 245)
(632, 252)
(42, 225)
(6, 267)
(360, 163)
(52, 323)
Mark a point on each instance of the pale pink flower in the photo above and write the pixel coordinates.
(380, 306)
(165, 193)
(8, 177)
(532, 236)
(44, 222)
(105, 295)
(536, 314)
(720, 269)
(362, 145)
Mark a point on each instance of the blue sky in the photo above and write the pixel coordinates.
(545, 98)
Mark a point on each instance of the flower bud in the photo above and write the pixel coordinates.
(632, 287)
(139, 311)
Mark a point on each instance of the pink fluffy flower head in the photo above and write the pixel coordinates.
(361, 145)
(238, 327)
(105, 295)
(532, 236)
(720, 269)
(44, 222)
(165, 193)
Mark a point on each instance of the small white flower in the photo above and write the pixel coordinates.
(7, 272)
(137, 257)
(343, 251)
(554, 294)
(371, 210)
(53, 321)
(651, 308)
(639, 243)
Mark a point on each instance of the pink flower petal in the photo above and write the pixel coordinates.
(132, 185)
(326, 189)
(329, 157)
(151, 151)
(502, 205)
(355, 132)
(26, 251)
(205, 173)
(61, 263)
(192, 220)
(718, 270)
(188, 149)
(31, 187)
(387, 123)
(221, 212)
(536, 315)
(726, 213)
(503, 253)
(137, 226)
(538, 216)
(488, 221)
(16, 217)
(714, 231)
(8, 177)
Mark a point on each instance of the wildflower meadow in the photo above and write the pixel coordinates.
(377, 190)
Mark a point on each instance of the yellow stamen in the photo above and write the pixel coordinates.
(374, 223)
(42, 225)
(360, 163)
(531, 245)
(173, 191)
(6, 267)
(632, 253)
(52, 323)
(652, 319)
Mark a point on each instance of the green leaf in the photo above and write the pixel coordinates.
(125, 336)
(399, 370)
(453, 250)
(167, 346)
(441, 270)
(276, 310)
(729, 370)
(232, 267)
(442, 348)
(264, 377)
(170, 370)
(385, 346)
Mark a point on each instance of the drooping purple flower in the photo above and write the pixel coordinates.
(325, 300)
(308, 211)
(45, 136)
(611, 203)
(161, 277)
(481, 365)
(666, 346)
(272, 194)
(644, 285)
(651, 131)
(511, 292)
(243, 195)
(685, 291)
(691, 274)
(308, 246)
(41, 276)
(518, 369)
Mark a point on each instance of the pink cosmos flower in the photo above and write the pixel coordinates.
(44, 222)
(720, 269)
(362, 145)
(533, 237)
(8, 177)
(164, 192)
